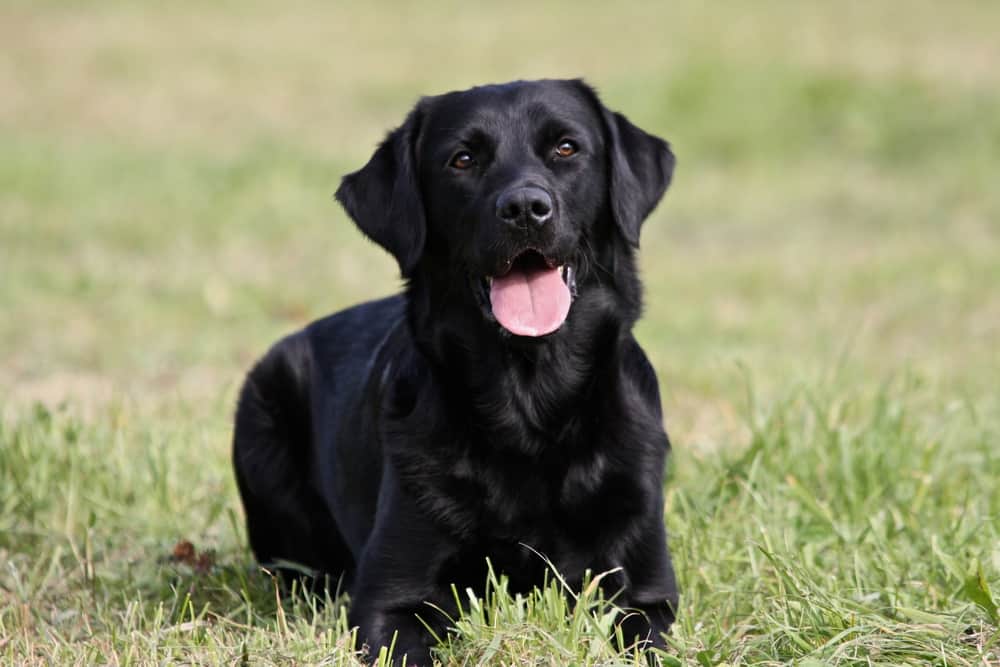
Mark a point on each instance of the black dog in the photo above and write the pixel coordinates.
(500, 407)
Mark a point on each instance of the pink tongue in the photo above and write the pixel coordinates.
(531, 302)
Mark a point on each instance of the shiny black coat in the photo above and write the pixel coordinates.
(394, 446)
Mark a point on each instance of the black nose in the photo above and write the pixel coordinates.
(525, 205)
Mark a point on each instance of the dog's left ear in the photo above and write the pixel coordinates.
(383, 197)
(641, 168)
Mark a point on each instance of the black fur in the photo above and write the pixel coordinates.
(397, 444)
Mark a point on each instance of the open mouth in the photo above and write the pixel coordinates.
(532, 297)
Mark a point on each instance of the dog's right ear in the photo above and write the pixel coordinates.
(383, 197)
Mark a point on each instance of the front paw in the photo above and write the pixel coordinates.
(643, 629)
(402, 632)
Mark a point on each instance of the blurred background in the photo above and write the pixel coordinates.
(166, 172)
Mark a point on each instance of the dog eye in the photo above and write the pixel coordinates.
(566, 148)
(462, 160)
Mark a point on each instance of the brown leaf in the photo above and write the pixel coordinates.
(184, 552)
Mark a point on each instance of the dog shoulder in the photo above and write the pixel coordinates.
(639, 375)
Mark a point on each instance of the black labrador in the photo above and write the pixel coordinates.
(500, 406)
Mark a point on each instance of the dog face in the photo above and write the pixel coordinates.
(509, 187)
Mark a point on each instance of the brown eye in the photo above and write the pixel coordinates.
(462, 160)
(566, 148)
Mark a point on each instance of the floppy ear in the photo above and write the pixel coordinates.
(641, 168)
(383, 197)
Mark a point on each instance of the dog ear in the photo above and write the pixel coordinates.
(641, 167)
(383, 197)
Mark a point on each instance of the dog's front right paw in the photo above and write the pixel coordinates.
(401, 633)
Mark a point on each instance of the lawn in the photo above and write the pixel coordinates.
(822, 308)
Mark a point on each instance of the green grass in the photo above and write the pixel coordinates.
(822, 309)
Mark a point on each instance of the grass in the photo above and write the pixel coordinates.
(822, 310)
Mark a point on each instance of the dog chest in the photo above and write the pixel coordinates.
(485, 493)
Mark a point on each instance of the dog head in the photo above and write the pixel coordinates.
(518, 190)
